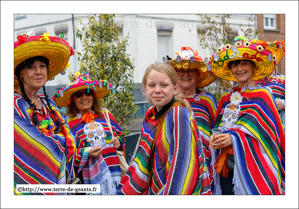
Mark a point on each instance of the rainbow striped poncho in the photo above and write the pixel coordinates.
(92, 169)
(203, 105)
(178, 166)
(259, 144)
(40, 158)
(278, 91)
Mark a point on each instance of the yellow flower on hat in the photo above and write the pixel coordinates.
(247, 44)
(77, 74)
(238, 44)
(260, 48)
(68, 65)
(219, 50)
(228, 46)
(45, 37)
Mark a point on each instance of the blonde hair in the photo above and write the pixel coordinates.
(171, 73)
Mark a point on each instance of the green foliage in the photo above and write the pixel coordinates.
(104, 57)
(217, 34)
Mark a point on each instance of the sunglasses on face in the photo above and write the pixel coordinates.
(182, 72)
(79, 94)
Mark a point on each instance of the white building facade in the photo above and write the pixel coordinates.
(151, 37)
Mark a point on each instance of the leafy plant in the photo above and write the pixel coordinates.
(104, 57)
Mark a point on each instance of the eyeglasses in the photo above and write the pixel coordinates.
(79, 94)
(182, 72)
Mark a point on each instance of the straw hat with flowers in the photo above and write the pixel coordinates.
(56, 49)
(265, 55)
(189, 59)
(101, 89)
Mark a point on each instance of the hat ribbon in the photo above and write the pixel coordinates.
(92, 84)
(226, 57)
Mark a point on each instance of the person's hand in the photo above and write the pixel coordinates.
(220, 141)
(279, 104)
(95, 152)
(115, 142)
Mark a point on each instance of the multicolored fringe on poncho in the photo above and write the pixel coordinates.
(96, 171)
(203, 105)
(82, 162)
(178, 166)
(40, 158)
(259, 145)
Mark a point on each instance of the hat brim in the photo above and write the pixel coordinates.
(57, 50)
(99, 92)
(263, 68)
(205, 78)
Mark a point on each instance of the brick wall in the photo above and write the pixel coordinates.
(272, 35)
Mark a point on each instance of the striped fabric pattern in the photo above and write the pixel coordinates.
(203, 105)
(40, 158)
(259, 144)
(278, 91)
(178, 166)
(108, 153)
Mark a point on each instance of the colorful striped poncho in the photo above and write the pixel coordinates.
(40, 158)
(278, 90)
(178, 166)
(93, 169)
(203, 105)
(258, 142)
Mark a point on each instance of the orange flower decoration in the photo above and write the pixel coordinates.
(87, 117)
(263, 43)
(280, 42)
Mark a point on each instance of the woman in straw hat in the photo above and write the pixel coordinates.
(193, 76)
(97, 133)
(276, 81)
(251, 140)
(43, 144)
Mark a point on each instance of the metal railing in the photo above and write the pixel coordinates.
(143, 107)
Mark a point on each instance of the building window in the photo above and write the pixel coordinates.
(18, 17)
(269, 21)
(164, 31)
(120, 26)
(61, 29)
(40, 31)
(233, 33)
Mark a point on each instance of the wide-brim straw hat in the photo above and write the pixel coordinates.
(56, 49)
(100, 88)
(189, 59)
(255, 50)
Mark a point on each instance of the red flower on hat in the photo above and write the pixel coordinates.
(72, 51)
(21, 38)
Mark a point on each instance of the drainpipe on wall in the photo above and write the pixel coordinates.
(255, 16)
(74, 42)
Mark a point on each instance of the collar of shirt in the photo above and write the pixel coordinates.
(164, 109)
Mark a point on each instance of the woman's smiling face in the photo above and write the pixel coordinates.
(242, 70)
(83, 103)
(34, 76)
